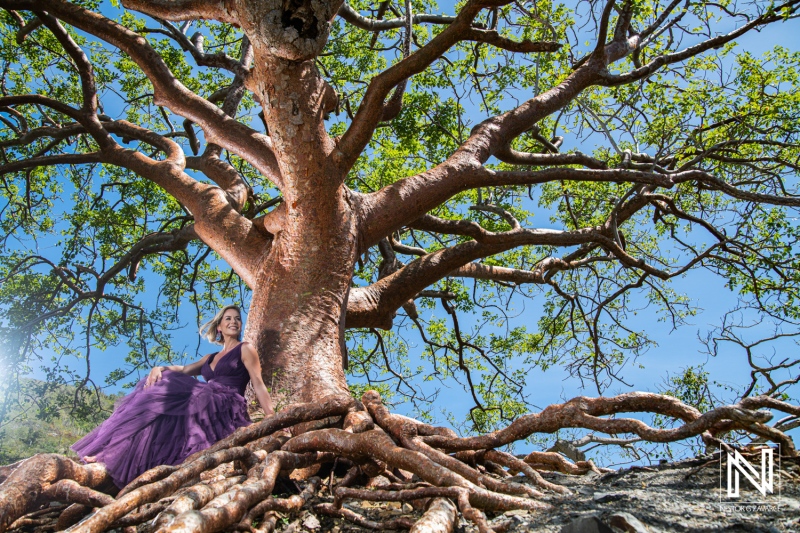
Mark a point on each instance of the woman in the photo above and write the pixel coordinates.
(170, 415)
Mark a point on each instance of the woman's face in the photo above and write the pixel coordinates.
(231, 323)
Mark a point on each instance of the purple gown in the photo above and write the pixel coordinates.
(167, 422)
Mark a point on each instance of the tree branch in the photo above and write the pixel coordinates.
(375, 305)
(66, 130)
(368, 115)
(514, 157)
(511, 275)
(609, 80)
(212, 208)
(423, 192)
(179, 10)
(493, 38)
(52, 160)
(195, 48)
(406, 200)
(219, 128)
(85, 70)
(602, 27)
(358, 20)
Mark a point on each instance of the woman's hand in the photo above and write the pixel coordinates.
(153, 376)
(191, 370)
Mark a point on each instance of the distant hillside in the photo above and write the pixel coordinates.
(48, 418)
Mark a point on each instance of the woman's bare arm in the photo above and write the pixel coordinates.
(253, 365)
(192, 369)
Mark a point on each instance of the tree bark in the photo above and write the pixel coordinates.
(296, 319)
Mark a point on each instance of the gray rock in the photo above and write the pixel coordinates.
(294, 527)
(586, 524)
(606, 497)
(311, 522)
(627, 523)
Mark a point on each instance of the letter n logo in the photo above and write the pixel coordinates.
(738, 464)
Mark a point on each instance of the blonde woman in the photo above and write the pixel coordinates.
(170, 415)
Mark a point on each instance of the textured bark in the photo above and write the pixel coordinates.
(288, 417)
(440, 517)
(296, 319)
(588, 413)
(195, 498)
(106, 516)
(300, 286)
(229, 508)
(72, 515)
(508, 460)
(556, 461)
(68, 490)
(7, 470)
(33, 476)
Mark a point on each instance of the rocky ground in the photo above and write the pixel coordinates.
(673, 497)
(684, 496)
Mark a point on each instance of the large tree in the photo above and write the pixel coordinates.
(348, 162)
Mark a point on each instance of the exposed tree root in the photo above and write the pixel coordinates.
(71, 491)
(154, 474)
(382, 457)
(21, 491)
(6, 470)
(286, 505)
(70, 516)
(507, 460)
(195, 498)
(39, 518)
(440, 517)
(559, 463)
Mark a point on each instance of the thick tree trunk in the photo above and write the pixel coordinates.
(296, 319)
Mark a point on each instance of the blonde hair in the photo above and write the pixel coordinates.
(209, 329)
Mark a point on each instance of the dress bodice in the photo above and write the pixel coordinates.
(229, 371)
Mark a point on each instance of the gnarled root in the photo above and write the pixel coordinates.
(7, 470)
(286, 505)
(387, 457)
(29, 480)
(440, 517)
(559, 463)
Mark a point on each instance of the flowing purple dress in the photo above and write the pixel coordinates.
(167, 422)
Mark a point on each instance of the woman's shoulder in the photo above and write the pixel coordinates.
(248, 351)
